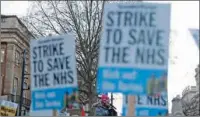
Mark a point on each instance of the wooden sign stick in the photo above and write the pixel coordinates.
(131, 105)
(54, 113)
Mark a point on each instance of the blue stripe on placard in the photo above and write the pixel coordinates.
(146, 111)
(126, 80)
(124, 111)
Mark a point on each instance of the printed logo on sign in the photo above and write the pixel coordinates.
(53, 71)
(134, 46)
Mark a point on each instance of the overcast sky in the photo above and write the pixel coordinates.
(184, 15)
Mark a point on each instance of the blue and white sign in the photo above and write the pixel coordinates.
(134, 47)
(148, 105)
(53, 71)
(195, 35)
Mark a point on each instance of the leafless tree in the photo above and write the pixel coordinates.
(83, 19)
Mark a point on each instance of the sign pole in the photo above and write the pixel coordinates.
(131, 105)
(22, 82)
(0, 56)
(131, 100)
(112, 98)
(54, 113)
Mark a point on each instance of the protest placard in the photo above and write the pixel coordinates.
(156, 105)
(53, 71)
(8, 108)
(134, 48)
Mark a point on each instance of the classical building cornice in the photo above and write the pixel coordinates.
(19, 21)
(18, 33)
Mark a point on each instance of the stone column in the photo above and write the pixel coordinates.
(9, 69)
(177, 106)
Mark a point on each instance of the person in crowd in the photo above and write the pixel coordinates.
(112, 111)
(66, 99)
(163, 83)
(151, 85)
(66, 102)
(75, 100)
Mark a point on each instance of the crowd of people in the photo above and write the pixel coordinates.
(103, 106)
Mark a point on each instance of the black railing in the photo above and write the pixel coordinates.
(16, 99)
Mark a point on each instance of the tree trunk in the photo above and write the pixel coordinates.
(90, 106)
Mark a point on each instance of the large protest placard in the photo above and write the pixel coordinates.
(134, 48)
(53, 71)
(8, 108)
(148, 105)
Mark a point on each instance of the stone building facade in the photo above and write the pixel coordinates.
(197, 77)
(15, 37)
(188, 104)
(177, 106)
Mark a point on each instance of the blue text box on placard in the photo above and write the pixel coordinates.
(123, 80)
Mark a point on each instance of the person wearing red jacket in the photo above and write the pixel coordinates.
(82, 111)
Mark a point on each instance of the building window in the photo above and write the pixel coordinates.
(26, 64)
(26, 68)
(2, 56)
(17, 58)
(15, 86)
(25, 87)
(3, 20)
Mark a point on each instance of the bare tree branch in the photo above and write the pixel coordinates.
(40, 5)
(57, 19)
